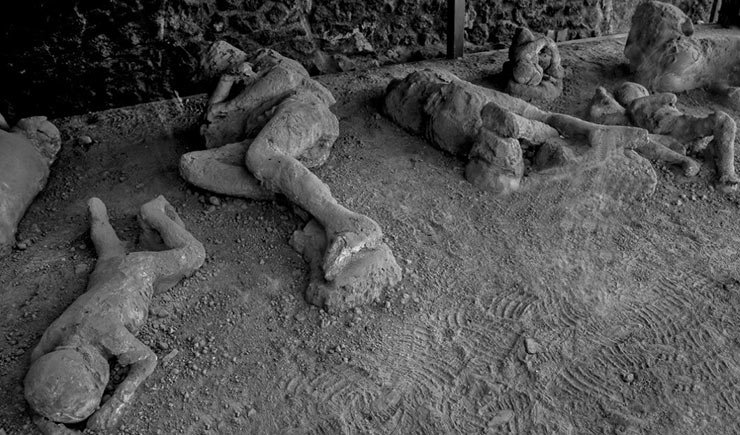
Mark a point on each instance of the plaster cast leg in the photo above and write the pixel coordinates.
(300, 123)
(654, 149)
(104, 238)
(509, 124)
(723, 129)
(599, 135)
(185, 253)
(222, 170)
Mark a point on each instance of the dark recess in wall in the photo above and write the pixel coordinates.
(68, 57)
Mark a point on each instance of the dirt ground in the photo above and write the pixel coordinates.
(571, 307)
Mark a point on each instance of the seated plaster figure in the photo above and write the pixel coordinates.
(632, 104)
(488, 127)
(534, 69)
(267, 123)
(666, 57)
(26, 153)
(69, 367)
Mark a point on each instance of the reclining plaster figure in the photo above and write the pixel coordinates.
(267, 122)
(632, 104)
(486, 126)
(26, 153)
(665, 57)
(69, 367)
(534, 69)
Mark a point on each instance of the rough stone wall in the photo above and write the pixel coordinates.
(64, 57)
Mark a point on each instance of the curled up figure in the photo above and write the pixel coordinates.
(672, 131)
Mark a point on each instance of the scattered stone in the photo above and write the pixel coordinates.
(214, 201)
(84, 140)
(532, 346)
(80, 269)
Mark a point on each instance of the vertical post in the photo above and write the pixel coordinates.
(455, 26)
(714, 11)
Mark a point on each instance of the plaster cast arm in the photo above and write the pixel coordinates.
(142, 362)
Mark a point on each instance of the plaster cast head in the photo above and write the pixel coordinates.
(43, 135)
(627, 92)
(220, 58)
(66, 385)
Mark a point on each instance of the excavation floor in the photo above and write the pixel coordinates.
(570, 307)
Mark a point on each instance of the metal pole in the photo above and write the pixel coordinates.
(455, 28)
(715, 9)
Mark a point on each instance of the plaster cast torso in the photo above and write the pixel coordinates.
(119, 294)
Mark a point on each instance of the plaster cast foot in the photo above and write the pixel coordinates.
(361, 280)
(349, 235)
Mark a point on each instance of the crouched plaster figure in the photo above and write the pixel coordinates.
(632, 104)
(488, 127)
(665, 57)
(26, 153)
(69, 367)
(534, 69)
(267, 122)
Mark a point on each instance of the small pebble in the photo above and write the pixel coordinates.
(532, 346)
(84, 140)
(214, 201)
(80, 268)
(252, 412)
